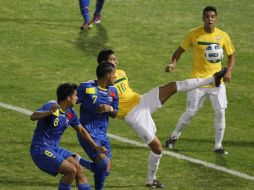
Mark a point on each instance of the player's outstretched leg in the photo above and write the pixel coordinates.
(171, 88)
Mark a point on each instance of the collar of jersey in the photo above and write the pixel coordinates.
(104, 89)
(61, 111)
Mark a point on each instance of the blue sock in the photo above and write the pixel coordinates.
(88, 164)
(99, 179)
(84, 8)
(99, 5)
(63, 186)
(100, 173)
(85, 186)
(85, 163)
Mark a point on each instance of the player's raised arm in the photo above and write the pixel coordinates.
(41, 114)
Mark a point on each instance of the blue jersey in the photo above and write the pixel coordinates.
(50, 129)
(90, 95)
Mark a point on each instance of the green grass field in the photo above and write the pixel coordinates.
(41, 46)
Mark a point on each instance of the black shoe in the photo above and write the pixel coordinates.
(221, 151)
(170, 143)
(155, 184)
(219, 75)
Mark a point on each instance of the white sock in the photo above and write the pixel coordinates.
(191, 84)
(219, 125)
(153, 165)
(182, 123)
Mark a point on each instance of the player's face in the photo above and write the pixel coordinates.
(209, 19)
(112, 78)
(73, 99)
(112, 59)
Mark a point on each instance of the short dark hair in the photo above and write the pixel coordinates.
(64, 90)
(103, 55)
(103, 69)
(209, 8)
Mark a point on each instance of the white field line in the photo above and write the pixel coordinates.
(173, 154)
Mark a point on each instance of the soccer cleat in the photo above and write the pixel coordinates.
(221, 151)
(171, 142)
(219, 75)
(86, 26)
(155, 184)
(96, 19)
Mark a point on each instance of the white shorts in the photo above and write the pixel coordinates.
(217, 96)
(140, 117)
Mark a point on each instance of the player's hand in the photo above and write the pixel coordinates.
(54, 107)
(227, 77)
(170, 67)
(104, 108)
(101, 149)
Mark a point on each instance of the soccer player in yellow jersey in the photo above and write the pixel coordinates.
(136, 109)
(198, 39)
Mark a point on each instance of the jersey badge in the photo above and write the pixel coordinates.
(91, 90)
(112, 94)
(70, 116)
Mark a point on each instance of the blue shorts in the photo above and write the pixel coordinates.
(49, 159)
(91, 152)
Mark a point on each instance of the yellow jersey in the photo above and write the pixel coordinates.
(198, 39)
(127, 97)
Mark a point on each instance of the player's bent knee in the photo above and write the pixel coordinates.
(72, 171)
(79, 168)
(156, 146)
(102, 164)
(219, 113)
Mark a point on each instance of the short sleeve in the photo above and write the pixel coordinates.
(114, 95)
(73, 118)
(45, 107)
(187, 41)
(81, 93)
(228, 46)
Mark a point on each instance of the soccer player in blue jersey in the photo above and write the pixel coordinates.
(99, 100)
(84, 8)
(53, 119)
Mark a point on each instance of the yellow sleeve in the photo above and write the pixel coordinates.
(187, 41)
(228, 46)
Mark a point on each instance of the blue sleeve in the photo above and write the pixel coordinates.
(81, 92)
(72, 116)
(115, 99)
(45, 107)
